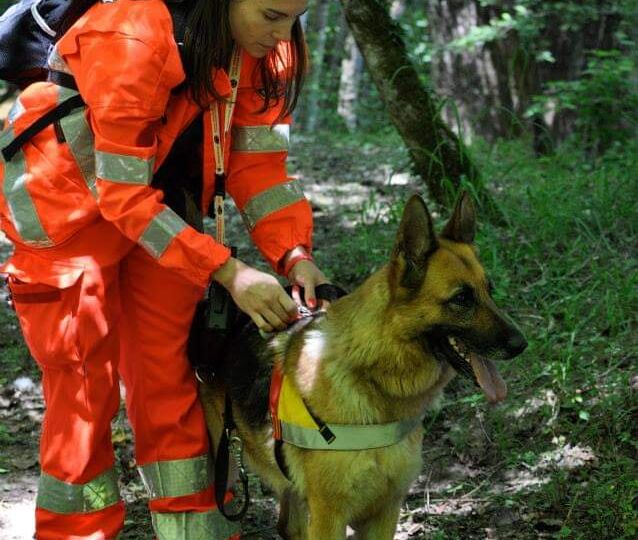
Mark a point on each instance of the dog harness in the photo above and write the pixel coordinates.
(294, 423)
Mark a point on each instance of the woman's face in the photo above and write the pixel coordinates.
(259, 25)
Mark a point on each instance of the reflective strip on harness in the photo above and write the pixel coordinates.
(270, 201)
(160, 232)
(176, 478)
(349, 437)
(124, 169)
(193, 526)
(65, 498)
(23, 212)
(17, 109)
(261, 138)
(294, 423)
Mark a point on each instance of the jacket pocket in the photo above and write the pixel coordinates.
(47, 313)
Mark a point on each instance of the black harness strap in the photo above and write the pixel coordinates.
(59, 112)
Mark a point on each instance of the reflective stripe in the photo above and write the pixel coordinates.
(350, 437)
(81, 142)
(57, 63)
(65, 93)
(261, 138)
(65, 498)
(124, 169)
(17, 109)
(176, 478)
(23, 212)
(270, 201)
(160, 232)
(193, 526)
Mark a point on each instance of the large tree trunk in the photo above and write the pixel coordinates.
(436, 152)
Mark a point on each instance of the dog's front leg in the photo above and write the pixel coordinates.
(380, 526)
(293, 516)
(327, 519)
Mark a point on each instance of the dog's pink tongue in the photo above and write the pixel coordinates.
(490, 380)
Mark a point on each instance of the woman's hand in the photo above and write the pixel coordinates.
(257, 294)
(306, 274)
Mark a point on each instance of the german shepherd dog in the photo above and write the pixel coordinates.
(378, 355)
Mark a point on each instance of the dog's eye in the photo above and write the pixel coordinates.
(463, 298)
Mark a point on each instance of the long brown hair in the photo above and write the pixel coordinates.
(208, 46)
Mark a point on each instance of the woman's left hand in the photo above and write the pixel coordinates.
(306, 274)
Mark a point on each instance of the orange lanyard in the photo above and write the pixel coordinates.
(219, 143)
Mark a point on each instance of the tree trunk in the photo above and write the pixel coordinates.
(318, 57)
(436, 152)
(491, 85)
(351, 70)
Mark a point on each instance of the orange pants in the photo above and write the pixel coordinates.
(92, 311)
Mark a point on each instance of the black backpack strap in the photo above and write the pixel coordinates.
(59, 112)
(63, 79)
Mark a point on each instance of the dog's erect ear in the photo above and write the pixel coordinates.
(462, 224)
(414, 243)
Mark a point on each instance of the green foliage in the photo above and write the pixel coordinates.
(604, 99)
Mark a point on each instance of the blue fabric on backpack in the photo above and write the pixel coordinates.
(27, 30)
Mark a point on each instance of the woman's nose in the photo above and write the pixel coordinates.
(284, 31)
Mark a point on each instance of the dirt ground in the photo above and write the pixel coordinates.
(458, 494)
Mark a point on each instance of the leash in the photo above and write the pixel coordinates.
(230, 444)
(220, 301)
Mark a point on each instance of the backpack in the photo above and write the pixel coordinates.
(28, 29)
(27, 33)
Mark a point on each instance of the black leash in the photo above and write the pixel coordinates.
(227, 444)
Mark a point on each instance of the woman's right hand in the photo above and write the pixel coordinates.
(257, 294)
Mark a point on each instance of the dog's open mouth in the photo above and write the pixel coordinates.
(469, 363)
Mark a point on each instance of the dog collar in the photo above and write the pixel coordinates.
(295, 424)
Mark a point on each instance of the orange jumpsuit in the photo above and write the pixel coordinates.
(105, 276)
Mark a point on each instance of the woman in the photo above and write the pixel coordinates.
(106, 272)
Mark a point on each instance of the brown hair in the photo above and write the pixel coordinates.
(208, 46)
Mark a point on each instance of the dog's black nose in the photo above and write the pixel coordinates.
(516, 344)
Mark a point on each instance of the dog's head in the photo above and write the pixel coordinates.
(443, 296)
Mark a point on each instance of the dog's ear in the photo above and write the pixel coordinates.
(462, 224)
(414, 243)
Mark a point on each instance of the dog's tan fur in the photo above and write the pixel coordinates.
(363, 364)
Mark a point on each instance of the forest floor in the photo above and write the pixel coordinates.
(557, 459)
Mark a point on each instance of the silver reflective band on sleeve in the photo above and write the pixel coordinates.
(350, 437)
(56, 63)
(193, 526)
(160, 232)
(176, 478)
(23, 212)
(271, 200)
(261, 138)
(17, 109)
(65, 498)
(81, 142)
(123, 169)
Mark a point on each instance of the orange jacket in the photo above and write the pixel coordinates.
(100, 159)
